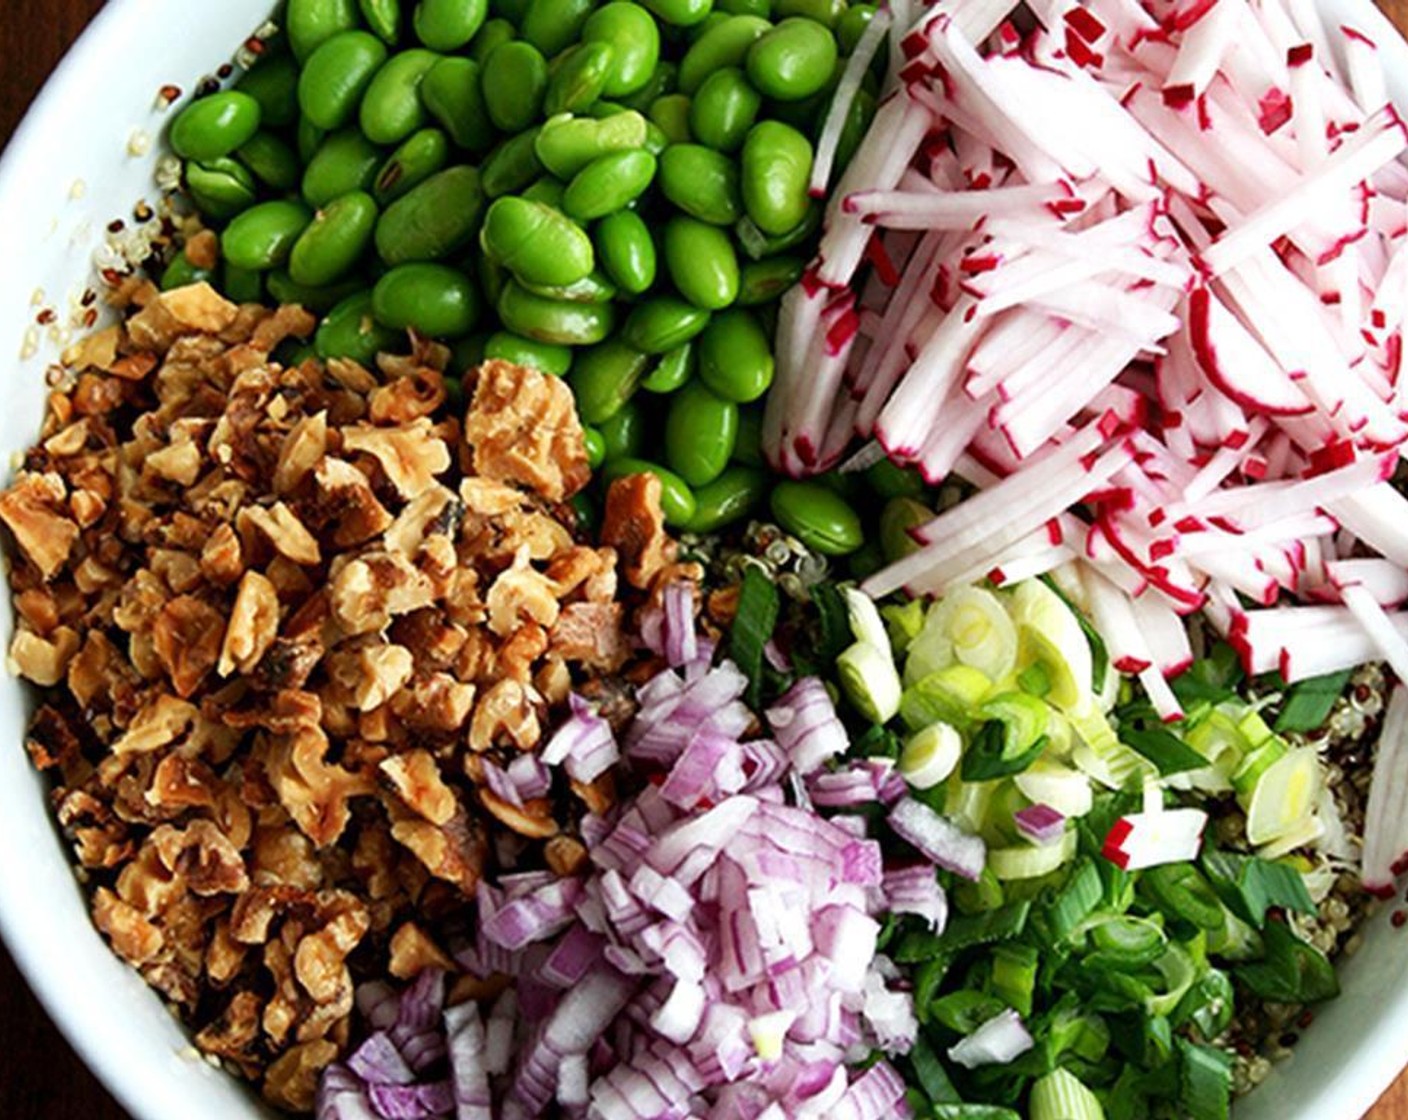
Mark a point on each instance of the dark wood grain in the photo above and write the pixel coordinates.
(40, 1077)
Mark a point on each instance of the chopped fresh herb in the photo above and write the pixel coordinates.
(1169, 753)
(1250, 886)
(758, 607)
(1207, 1005)
(988, 757)
(1211, 679)
(967, 930)
(1294, 971)
(972, 1112)
(965, 1010)
(835, 622)
(1308, 703)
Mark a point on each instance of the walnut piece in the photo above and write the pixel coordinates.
(523, 428)
(254, 624)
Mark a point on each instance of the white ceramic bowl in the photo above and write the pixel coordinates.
(68, 172)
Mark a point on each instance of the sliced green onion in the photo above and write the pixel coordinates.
(965, 1010)
(1075, 901)
(1208, 1005)
(1204, 1081)
(1126, 942)
(1285, 796)
(1255, 763)
(951, 694)
(1178, 970)
(903, 623)
(1052, 637)
(970, 626)
(1061, 1095)
(931, 755)
(870, 680)
(1168, 753)
(865, 620)
(929, 1072)
(988, 756)
(1049, 783)
(1294, 971)
(1030, 862)
(1014, 976)
(1179, 891)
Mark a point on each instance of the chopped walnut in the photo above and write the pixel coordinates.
(415, 776)
(518, 595)
(32, 510)
(254, 624)
(413, 951)
(135, 939)
(43, 661)
(292, 1081)
(523, 428)
(635, 527)
(303, 449)
(186, 637)
(281, 528)
(222, 558)
(412, 456)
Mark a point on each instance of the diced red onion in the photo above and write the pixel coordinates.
(378, 1062)
(412, 1102)
(806, 725)
(998, 1041)
(469, 1075)
(584, 743)
(534, 917)
(938, 839)
(916, 890)
(1040, 823)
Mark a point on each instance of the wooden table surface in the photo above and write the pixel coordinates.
(40, 1078)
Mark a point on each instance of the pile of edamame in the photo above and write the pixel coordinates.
(611, 192)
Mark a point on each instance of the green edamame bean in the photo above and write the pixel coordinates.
(828, 13)
(664, 323)
(701, 262)
(724, 110)
(655, 139)
(448, 25)
(633, 34)
(670, 114)
(242, 285)
(865, 561)
(594, 287)
(899, 516)
(273, 162)
(608, 184)
(693, 34)
(681, 13)
(384, 18)
(596, 447)
(627, 251)
(547, 191)
(551, 320)
(760, 246)
(311, 23)
(424, 154)
(511, 10)
(392, 108)
(623, 436)
(737, 493)
(181, 273)
(735, 356)
(567, 144)
(700, 431)
(777, 164)
(284, 289)
(552, 25)
(263, 236)
(677, 500)
(661, 82)
(434, 300)
(766, 280)
(673, 370)
(335, 240)
(346, 162)
(495, 33)
(818, 517)
(515, 80)
(493, 278)
(748, 449)
(215, 126)
(309, 138)
(433, 220)
(536, 243)
(701, 182)
(221, 188)
(887, 479)
(454, 97)
(350, 330)
(792, 61)
(273, 82)
(511, 166)
(604, 378)
(726, 44)
(577, 77)
(852, 24)
(760, 8)
(336, 76)
(545, 356)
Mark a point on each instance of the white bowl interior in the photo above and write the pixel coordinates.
(67, 173)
